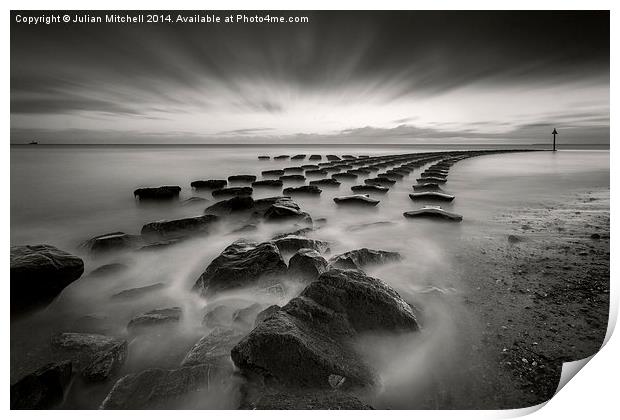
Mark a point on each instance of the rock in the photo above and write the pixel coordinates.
(595, 236)
(298, 232)
(292, 177)
(116, 241)
(266, 313)
(160, 388)
(309, 166)
(219, 316)
(285, 209)
(296, 400)
(97, 355)
(297, 353)
(39, 273)
(274, 183)
(344, 175)
(356, 199)
(316, 172)
(433, 175)
(434, 179)
(108, 270)
(369, 189)
(369, 303)
(232, 205)
(263, 158)
(166, 192)
(298, 157)
(155, 318)
(332, 157)
(43, 388)
(242, 178)
(159, 245)
(244, 318)
(210, 184)
(138, 292)
(273, 172)
(106, 363)
(432, 196)
(361, 258)
(281, 157)
(242, 264)
(433, 212)
(213, 348)
(380, 180)
(427, 186)
(326, 182)
(513, 239)
(293, 243)
(315, 157)
(190, 226)
(294, 169)
(232, 191)
(304, 189)
(307, 265)
(310, 339)
(193, 201)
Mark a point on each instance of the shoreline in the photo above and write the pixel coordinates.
(541, 296)
(510, 361)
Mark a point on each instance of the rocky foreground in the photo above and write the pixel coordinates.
(301, 355)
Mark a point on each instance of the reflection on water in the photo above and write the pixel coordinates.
(63, 196)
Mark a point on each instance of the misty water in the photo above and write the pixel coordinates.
(65, 195)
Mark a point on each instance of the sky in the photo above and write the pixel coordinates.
(343, 77)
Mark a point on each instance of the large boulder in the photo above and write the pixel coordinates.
(106, 363)
(166, 192)
(362, 200)
(116, 241)
(97, 356)
(277, 209)
(42, 389)
(360, 258)
(160, 388)
(293, 243)
(232, 205)
(307, 265)
(39, 273)
(179, 228)
(308, 342)
(156, 318)
(297, 353)
(303, 190)
(368, 303)
(242, 264)
(211, 184)
(213, 348)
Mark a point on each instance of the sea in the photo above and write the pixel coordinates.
(65, 194)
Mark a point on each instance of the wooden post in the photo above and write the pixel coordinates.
(554, 133)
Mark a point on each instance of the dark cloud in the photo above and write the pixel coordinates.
(137, 71)
(431, 51)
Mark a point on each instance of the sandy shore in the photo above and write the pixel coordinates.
(540, 291)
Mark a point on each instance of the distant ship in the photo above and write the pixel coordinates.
(34, 142)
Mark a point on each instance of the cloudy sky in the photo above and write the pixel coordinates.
(389, 77)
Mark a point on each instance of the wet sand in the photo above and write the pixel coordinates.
(540, 289)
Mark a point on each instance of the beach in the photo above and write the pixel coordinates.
(500, 298)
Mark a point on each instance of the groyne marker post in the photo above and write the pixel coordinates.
(554, 133)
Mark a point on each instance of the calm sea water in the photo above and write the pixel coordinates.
(65, 195)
